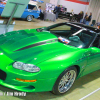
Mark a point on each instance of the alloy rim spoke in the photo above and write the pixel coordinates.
(66, 81)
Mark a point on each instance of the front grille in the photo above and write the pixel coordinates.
(29, 87)
(2, 75)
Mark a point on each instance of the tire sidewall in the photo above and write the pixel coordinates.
(31, 19)
(55, 87)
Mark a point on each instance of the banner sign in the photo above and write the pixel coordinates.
(85, 2)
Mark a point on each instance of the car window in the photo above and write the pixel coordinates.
(96, 43)
(32, 7)
(62, 27)
(81, 39)
(35, 8)
(63, 30)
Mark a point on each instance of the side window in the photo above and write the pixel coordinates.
(32, 7)
(62, 27)
(35, 8)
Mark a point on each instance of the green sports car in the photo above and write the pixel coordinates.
(49, 58)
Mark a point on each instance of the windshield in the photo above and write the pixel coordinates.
(71, 34)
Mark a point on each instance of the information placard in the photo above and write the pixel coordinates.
(9, 7)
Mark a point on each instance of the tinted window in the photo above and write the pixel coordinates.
(32, 7)
(62, 27)
(81, 39)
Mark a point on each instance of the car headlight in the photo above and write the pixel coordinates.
(26, 67)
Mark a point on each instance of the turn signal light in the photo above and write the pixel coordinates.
(25, 80)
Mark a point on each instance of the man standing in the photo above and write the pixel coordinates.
(57, 10)
(85, 18)
(41, 13)
(71, 16)
(80, 17)
(89, 19)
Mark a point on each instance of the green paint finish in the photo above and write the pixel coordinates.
(52, 57)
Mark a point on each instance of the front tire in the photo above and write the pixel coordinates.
(29, 18)
(65, 81)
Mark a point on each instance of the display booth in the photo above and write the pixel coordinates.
(48, 14)
(49, 7)
(63, 8)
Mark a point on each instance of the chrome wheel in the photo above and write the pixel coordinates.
(29, 18)
(67, 81)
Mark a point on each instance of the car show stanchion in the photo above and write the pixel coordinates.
(12, 14)
(3, 26)
(16, 9)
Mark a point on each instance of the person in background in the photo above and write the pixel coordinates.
(57, 11)
(85, 18)
(80, 16)
(89, 19)
(71, 15)
(98, 25)
(41, 13)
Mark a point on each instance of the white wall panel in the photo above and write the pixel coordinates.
(77, 7)
(98, 16)
(55, 2)
(94, 7)
(44, 4)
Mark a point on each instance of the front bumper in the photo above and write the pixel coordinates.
(39, 86)
(8, 76)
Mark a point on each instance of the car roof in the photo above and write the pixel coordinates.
(87, 27)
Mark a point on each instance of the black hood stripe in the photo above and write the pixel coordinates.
(37, 44)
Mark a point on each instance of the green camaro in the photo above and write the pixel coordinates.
(50, 58)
